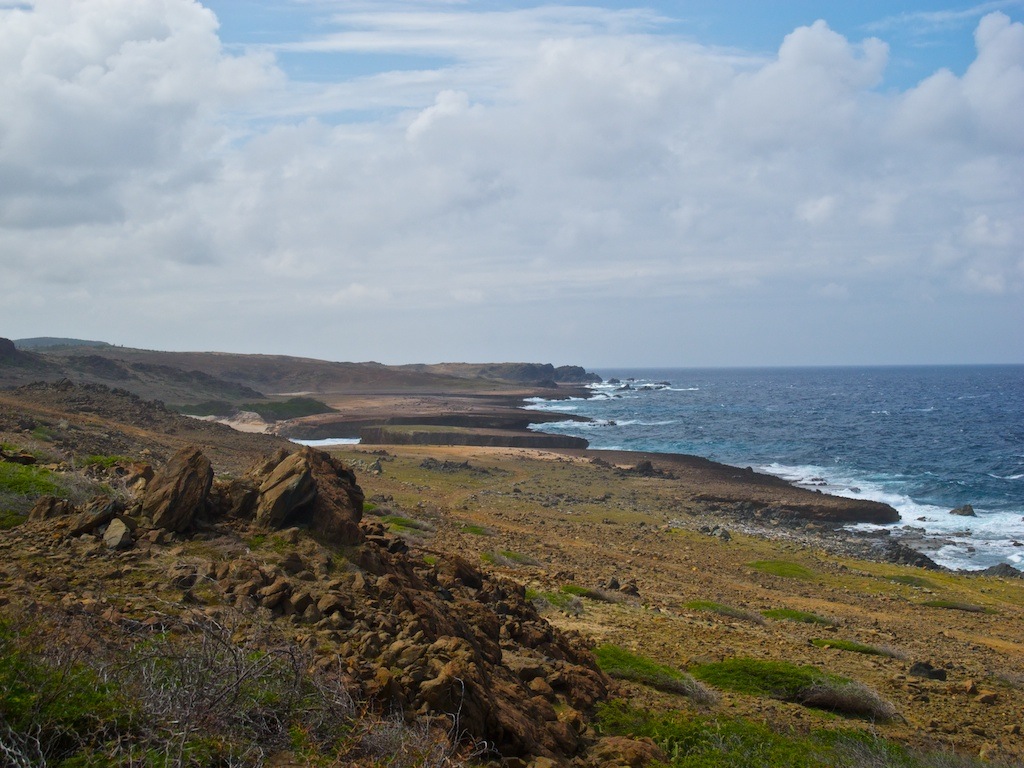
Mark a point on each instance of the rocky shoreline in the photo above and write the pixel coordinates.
(479, 583)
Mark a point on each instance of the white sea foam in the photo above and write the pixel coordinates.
(972, 542)
(324, 442)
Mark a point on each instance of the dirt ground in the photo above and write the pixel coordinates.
(552, 519)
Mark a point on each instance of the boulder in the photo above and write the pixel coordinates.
(118, 535)
(965, 511)
(97, 512)
(289, 488)
(7, 348)
(179, 491)
(313, 487)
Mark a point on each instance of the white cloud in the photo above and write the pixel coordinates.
(556, 157)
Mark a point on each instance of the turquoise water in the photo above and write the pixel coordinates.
(923, 439)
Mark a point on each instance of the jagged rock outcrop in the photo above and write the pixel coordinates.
(311, 487)
(288, 488)
(179, 491)
(446, 639)
(50, 506)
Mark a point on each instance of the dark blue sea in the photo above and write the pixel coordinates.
(922, 439)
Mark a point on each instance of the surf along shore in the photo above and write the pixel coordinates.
(689, 561)
(684, 562)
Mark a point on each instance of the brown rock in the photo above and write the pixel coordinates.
(289, 488)
(50, 506)
(118, 535)
(540, 686)
(618, 750)
(97, 512)
(179, 491)
(338, 507)
(987, 697)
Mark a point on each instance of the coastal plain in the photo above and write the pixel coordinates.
(696, 579)
(514, 568)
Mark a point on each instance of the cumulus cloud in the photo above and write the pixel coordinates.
(551, 157)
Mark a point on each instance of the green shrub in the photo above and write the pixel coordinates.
(54, 711)
(790, 614)
(724, 610)
(218, 408)
(804, 685)
(9, 518)
(600, 595)
(43, 433)
(476, 530)
(26, 480)
(954, 605)
(570, 604)
(106, 462)
(507, 558)
(783, 568)
(401, 524)
(293, 408)
(710, 742)
(620, 663)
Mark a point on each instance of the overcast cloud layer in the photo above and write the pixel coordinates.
(555, 184)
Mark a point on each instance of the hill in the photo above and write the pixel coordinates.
(49, 342)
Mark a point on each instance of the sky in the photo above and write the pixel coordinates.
(603, 183)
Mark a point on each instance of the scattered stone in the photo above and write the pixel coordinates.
(987, 697)
(926, 670)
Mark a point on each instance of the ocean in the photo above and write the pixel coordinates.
(924, 440)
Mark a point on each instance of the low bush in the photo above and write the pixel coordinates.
(710, 742)
(400, 524)
(790, 614)
(507, 558)
(100, 460)
(20, 485)
(954, 605)
(804, 685)
(26, 480)
(566, 603)
(783, 568)
(79, 692)
(620, 663)
(724, 610)
(601, 595)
